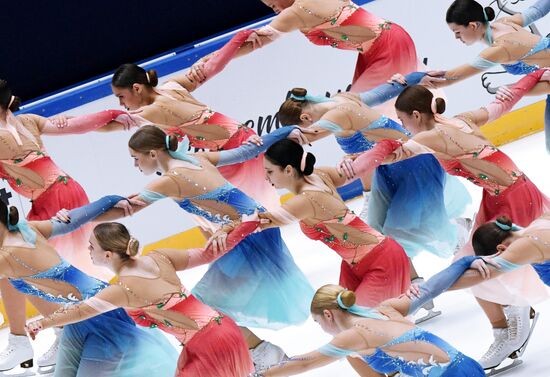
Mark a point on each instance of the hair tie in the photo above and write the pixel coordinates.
(339, 300)
(434, 105)
(310, 98)
(485, 15)
(181, 152)
(507, 227)
(488, 34)
(11, 101)
(303, 162)
(148, 79)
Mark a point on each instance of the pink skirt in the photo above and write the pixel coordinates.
(381, 274)
(249, 176)
(522, 202)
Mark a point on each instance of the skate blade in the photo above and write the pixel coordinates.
(431, 314)
(17, 372)
(496, 370)
(517, 354)
(46, 370)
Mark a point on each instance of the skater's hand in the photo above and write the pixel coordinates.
(345, 168)
(298, 135)
(254, 139)
(127, 204)
(504, 93)
(34, 328)
(482, 266)
(398, 78)
(413, 291)
(218, 241)
(62, 216)
(432, 78)
(60, 120)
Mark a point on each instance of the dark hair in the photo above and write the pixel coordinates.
(6, 97)
(149, 138)
(462, 12)
(12, 217)
(291, 109)
(129, 74)
(116, 238)
(287, 152)
(418, 98)
(488, 236)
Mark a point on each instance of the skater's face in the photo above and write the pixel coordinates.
(278, 177)
(327, 322)
(97, 254)
(469, 34)
(129, 98)
(411, 122)
(147, 163)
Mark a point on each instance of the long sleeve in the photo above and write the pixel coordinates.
(374, 157)
(498, 107)
(91, 122)
(224, 55)
(82, 215)
(385, 92)
(249, 151)
(535, 12)
(108, 299)
(441, 282)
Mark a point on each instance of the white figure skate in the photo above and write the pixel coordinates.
(46, 362)
(428, 307)
(267, 354)
(18, 352)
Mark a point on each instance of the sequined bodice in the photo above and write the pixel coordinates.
(341, 234)
(212, 130)
(64, 273)
(228, 194)
(521, 67)
(348, 15)
(358, 142)
(39, 163)
(382, 362)
(486, 153)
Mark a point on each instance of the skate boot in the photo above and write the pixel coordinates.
(267, 354)
(499, 351)
(521, 323)
(428, 307)
(18, 352)
(46, 362)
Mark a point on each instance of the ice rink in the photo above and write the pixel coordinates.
(462, 323)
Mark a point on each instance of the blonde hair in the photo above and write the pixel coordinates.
(326, 298)
(116, 238)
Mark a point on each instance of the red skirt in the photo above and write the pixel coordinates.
(73, 247)
(382, 274)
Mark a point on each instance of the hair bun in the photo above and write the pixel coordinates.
(348, 298)
(310, 163)
(13, 217)
(505, 220)
(300, 92)
(440, 105)
(173, 143)
(490, 12)
(133, 247)
(153, 77)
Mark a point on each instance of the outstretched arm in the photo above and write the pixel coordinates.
(499, 107)
(534, 13)
(385, 92)
(248, 151)
(107, 120)
(243, 43)
(77, 217)
(110, 298)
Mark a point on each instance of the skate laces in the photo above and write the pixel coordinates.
(494, 348)
(51, 351)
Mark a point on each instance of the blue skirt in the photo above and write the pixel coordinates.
(110, 344)
(464, 366)
(413, 201)
(258, 284)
